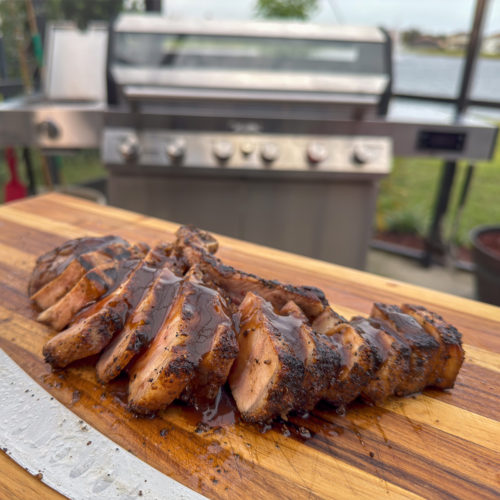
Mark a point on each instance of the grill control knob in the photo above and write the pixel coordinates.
(363, 154)
(223, 150)
(316, 153)
(176, 150)
(48, 128)
(269, 152)
(129, 148)
(247, 148)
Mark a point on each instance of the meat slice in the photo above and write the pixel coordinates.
(90, 287)
(267, 376)
(51, 264)
(94, 330)
(213, 369)
(141, 326)
(327, 322)
(356, 359)
(424, 347)
(52, 291)
(237, 283)
(192, 236)
(451, 353)
(358, 363)
(393, 355)
(196, 317)
(321, 363)
(291, 308)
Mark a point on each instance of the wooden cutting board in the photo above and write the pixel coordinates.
(436, 444)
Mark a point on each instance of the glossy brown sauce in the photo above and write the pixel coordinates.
(221, 412)
(374, 336)
(208, 309)
(408, 326)
(122, 273)
(164, 289)
(56, 261)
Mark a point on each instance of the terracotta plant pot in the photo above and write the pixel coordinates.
(486, 253)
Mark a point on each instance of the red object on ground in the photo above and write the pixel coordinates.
(14, 190)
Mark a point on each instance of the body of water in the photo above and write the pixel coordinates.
(441, 75)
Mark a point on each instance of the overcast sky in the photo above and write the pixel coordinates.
(433, 16)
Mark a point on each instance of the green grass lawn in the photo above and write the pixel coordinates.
(405, 201)
(407, 196)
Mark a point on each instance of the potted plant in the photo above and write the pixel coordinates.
(486, 253)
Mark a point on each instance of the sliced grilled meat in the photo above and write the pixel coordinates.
(327, 321)
(169, 318)
(424, 348)
(141, 326)
(213, 369)
(90, 287)
(51, 264)
(451, 353)
(267, 376)
(393, 355)
(237, 283)
(192, 236)
(291, 308)
(322, 363)
(355, 357)
(92, 332)
(52, 291)
(162, 373)
(358, 363)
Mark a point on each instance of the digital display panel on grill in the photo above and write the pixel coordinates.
(440, 141)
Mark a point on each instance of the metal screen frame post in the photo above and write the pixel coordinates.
(434, 243)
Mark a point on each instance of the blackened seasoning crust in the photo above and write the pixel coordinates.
(450, 355)
(237, 283)
(181, 322)
(53, 263)
(196, 338)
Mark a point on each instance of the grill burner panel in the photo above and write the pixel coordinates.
(252, 152)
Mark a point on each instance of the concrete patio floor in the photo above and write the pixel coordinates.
(444, 279)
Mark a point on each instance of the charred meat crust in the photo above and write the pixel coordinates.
(183, 348)
(358, 363)
(392, 353)
(68, 346)
(141, 326)
(90, 287)
(450, 355)
(424, 347)
(291, 348)
(87, 333)
(190, 235)
(267, 377)
(52, 263)
(236, 283)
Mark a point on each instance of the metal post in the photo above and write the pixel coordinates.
(434, 243)
(473, 50)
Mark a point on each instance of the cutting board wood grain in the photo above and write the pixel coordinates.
(435, 444)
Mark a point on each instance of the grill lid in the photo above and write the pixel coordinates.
(153, 57)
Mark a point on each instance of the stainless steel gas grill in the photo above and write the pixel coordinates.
(272, 132)
(230, 126)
